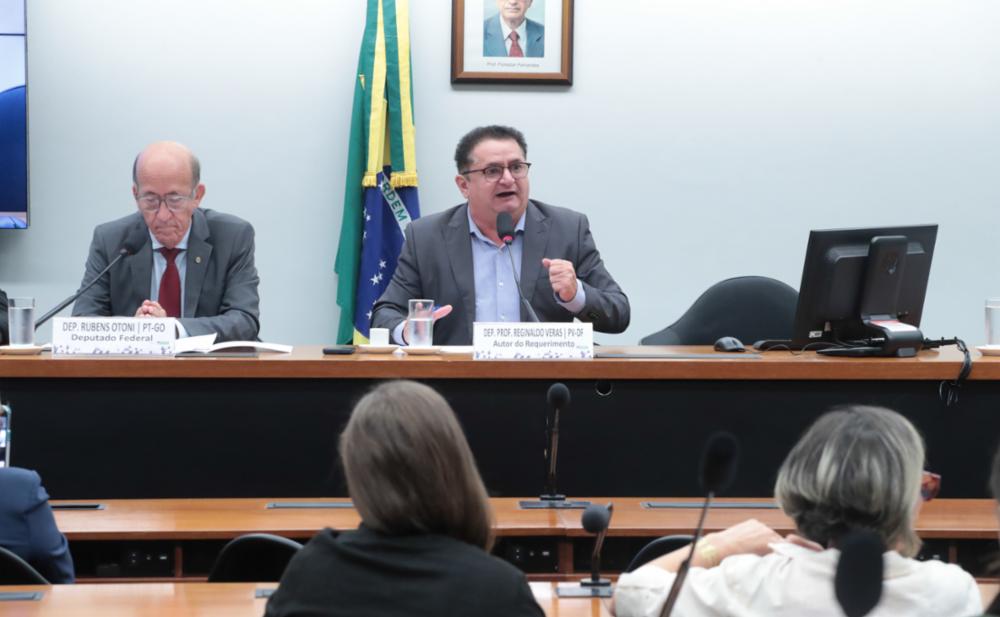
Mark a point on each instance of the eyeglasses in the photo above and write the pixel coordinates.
(493, 173)
(930, 485)
(150, 202)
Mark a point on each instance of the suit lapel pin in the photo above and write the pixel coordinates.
(197, 259)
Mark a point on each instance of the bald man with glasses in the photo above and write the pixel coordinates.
(457, 258)
(182, 261)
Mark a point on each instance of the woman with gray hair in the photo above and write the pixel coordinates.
(426, 523)
(856, 468)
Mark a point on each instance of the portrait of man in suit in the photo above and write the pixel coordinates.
(510, 33)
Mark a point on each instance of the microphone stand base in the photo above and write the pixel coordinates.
(587, 589)
(547, 502)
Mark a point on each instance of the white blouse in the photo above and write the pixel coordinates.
(794, 580)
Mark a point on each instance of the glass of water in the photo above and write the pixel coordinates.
(21, 320)
(993, 321)
(420, 323)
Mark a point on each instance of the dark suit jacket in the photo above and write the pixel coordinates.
(436, 263)
(220, 285)
(28, 528)
(366, 573)
(494, 44)
(3, 317)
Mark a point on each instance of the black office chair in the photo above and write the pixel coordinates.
(16, 571)
(253, 558)
(657, 548)
(751, 308)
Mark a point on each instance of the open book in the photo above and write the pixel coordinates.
(205, 346)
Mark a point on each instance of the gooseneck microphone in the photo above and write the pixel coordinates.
(717, 470)
(130, 246)
(858, 582)
(505, 229)
(595, 520)
(558, 398)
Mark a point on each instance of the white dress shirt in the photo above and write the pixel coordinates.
(795, 581)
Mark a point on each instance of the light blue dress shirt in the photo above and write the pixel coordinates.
(495, 290)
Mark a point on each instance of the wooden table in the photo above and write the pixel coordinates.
(246, 427)
(190, 532)
(206, 600)
(231, 600)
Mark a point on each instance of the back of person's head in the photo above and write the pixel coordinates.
(409, 468)
(857, 467)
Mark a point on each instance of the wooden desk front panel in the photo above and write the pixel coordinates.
(191, 532)
(148, 428)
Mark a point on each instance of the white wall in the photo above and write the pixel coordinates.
(703, 137)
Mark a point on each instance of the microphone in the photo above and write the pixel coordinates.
(716, 473)
(595, 520)
(505, 229)
(130, 246)
(858, 582)
(558, 398)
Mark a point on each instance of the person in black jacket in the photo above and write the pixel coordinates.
(422, 547)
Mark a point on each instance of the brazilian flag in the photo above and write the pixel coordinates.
(381, 195)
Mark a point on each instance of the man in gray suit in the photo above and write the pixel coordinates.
(181, 260)
(457, 259)
(511, 33)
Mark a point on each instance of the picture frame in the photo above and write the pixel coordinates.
(483, 51)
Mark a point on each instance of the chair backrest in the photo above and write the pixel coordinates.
(751, 308)
(252, 558)
(658, 547)
(16, 571)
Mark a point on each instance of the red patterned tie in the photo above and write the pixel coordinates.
(170, 284)
(515, 49)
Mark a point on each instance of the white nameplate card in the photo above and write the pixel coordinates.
(113, 336)
(532, 341)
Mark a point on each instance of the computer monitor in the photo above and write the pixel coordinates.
(863, 290)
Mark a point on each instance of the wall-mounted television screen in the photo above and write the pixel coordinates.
(13, 116)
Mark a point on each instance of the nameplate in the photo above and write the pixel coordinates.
(113, 336)
(532, 341)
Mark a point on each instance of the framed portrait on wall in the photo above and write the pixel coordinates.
(514, 41)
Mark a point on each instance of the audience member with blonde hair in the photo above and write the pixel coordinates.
(855, 468)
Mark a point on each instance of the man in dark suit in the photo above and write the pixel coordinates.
(27, 527)
(191, 263)
(511, 33)
(457, 259)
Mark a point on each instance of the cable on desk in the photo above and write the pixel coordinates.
(948, 390)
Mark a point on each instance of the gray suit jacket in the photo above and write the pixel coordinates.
(494, 44)
(220, 285)
(436, 263)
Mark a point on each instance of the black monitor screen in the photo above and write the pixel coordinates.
(834, 276)
(13, 116)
